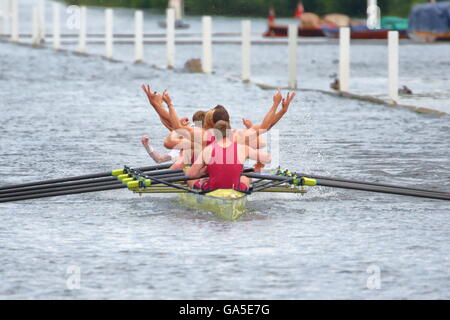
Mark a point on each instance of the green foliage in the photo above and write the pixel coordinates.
(353, 8)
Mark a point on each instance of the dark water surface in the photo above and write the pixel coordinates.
(64, 115)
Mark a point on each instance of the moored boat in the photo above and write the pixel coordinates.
(282, 31)
(430, 22)
(178, 6)
(362, 32)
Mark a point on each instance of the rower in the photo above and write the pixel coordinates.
(174, 155)
(224, 161)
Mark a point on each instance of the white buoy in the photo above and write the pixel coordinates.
(393, 65)
(207, 44)
(41, 19)
(35, 36)
(14, 16)
(292, 56)
(56, 26)
(109, 21)
(82, 35)
(344, 59)
(138, 36)
(170, 37)
(246, 45)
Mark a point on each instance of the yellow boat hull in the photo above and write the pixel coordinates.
(227, 204)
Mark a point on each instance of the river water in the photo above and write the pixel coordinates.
(65, 115)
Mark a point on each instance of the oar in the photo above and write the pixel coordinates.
(85, 184)
(78, 190)
(368, 183)
(95, 188)
(81, 183)
(83, 177)
(358, 185)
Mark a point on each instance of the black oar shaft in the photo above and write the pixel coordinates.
(380, 189)
(358, 185)
(63, 193)
(80, 182)
(83, 177)
(369, 183)
(81, 185)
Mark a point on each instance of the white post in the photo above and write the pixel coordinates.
(207, 44)
(82, 37)
(14, 9)
(138, 36)
(170, 37)
(292, 55)
(56, 26)
(393, 66)
(35, 38)
(373, 15)
(3, 12)
(344, 58)
(109, 16)
(177, 7)
(246, 44)
(41, 19)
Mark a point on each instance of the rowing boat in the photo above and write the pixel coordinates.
(227, 204)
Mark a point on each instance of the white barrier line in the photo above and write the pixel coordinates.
(109, 22)
(246, 47)
(82, 35)
(207, 44)
(292, 56)
(393, 66)
(344, 59)
(138, 36)
(14, 11)
(170, 30)
(56, 26)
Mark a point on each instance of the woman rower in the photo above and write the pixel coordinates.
(224, 161)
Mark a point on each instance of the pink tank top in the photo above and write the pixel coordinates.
(224, 169)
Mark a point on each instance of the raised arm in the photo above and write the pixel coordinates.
(198, 167)
(156, 100)
(173, 116)
(285, 106)
(266, 124)
(158, 158)
(258, 155)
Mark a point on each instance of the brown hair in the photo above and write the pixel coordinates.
(223, 127)
(199, 116)
(208, 121)
(220, 113)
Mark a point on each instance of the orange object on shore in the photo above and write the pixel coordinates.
(299, 10)
(271, 18)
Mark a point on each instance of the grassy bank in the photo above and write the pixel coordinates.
(353, 8)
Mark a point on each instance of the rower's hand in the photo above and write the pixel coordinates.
(166, 97)
(247, 123)
(154, 97)
(287, 101)
(258, 166)
(144, 140)
(184, 121)
(277, 97)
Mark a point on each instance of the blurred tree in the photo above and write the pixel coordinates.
(353, 8)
